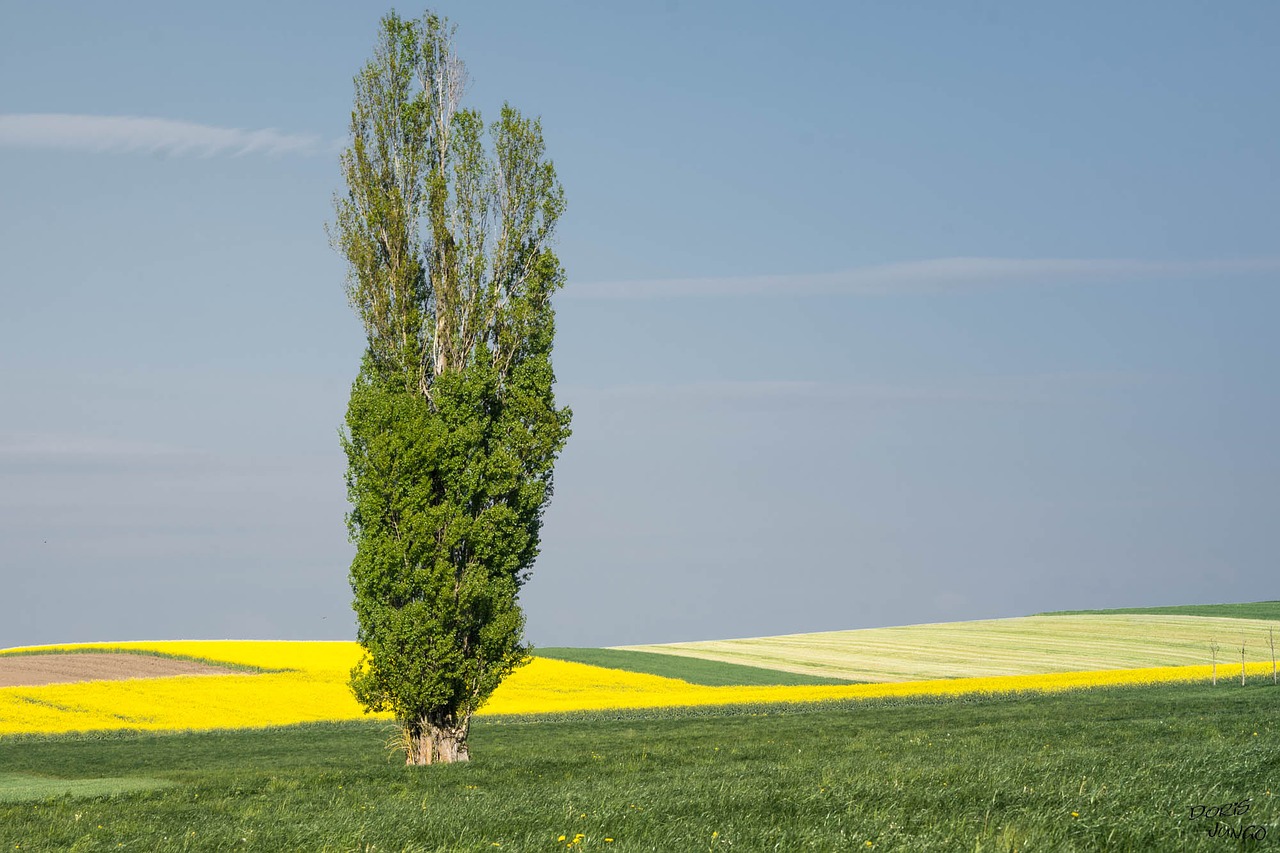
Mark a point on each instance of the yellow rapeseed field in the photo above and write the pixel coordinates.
(314, 688)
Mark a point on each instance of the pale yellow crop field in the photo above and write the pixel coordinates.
(1018, 646)
(315, 689)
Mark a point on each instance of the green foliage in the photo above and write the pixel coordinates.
(1112, 769)
(693, 670)
(1247, 610)
(446, 512)
(452, 428)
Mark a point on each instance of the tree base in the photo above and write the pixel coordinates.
(436, 743)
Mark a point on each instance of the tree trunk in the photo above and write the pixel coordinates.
(437, 739)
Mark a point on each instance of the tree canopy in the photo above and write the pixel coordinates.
(452, 429)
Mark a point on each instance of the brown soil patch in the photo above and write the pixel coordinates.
(34, 670)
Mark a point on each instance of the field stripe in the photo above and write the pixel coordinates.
(21, 787)
(683, 667)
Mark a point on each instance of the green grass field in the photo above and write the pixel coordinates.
(1251, 610)
(26, 787)
(692, 670)
(1105, 769)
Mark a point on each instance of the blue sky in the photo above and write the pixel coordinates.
(877, 314)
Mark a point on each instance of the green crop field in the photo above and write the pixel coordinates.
(1104, 769)
(1017, 646)
(693, 670)
(1251, 610)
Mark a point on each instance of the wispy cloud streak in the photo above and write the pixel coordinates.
(44, 455)
(1037, 388)
(134, 134)
(936, 275)
(56, 446)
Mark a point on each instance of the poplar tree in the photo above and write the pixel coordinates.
(452, 428)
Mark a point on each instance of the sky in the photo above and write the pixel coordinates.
(876, 313)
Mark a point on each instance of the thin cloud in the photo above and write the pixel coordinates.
(48, 445)
(936, 275)
(1036, 388)
(135, 134)
(49, 454)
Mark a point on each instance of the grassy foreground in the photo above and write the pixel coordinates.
(1102, 769)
